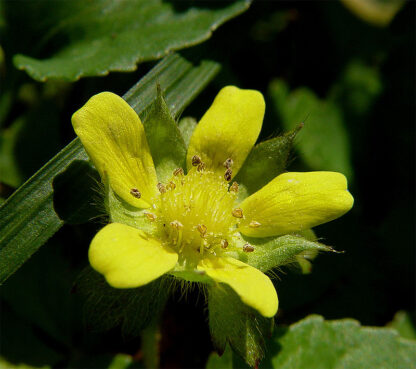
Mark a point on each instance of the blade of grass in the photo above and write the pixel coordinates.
(28, 218)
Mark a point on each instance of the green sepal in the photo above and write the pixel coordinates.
(266, 160)
(271, 252)
(121, 212)
(78, 193)
(164, 138)
(187, 126)
(132, 309)
(232, 322)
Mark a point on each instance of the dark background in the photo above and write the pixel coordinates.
(305, 44)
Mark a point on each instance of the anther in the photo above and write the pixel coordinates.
(178, 172)
(202, 229)
(161, 187)
(171, 186)
(248, 248)
(150, 216)
(135, 193)
(224, 244)
(234, 187)
(228, 174)
(254, 224)
(201, 167)
(196, 160)
(237, 213)
(176, 224)
(228, 163)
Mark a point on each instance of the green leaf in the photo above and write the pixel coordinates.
(404, 323)
(272, 252)
(95, 37)
(225, 361)
(165, 140)
(377, 12)
(28, 217)
(232, 322)
(266, 161)
(187, 126)
(315, 343)
(323, 143)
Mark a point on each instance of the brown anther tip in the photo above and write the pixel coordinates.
(176, 224)
(254, 224)
(161, 187)
(150, 216)
(135, 193)
(228, 163)
(248, 248)
(237, 213)
(224, 244)
(202, 229)
(178, 172)
(234, 187)
(228, 175)
(196, 160)
(171, 186)
(201, 167)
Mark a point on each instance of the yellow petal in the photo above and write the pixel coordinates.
(295, 202)
(254, 288)
(114, 138)
(229, 129)
(128, 257)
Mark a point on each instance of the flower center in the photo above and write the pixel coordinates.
(195, 213)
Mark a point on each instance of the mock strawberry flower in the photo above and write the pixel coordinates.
(191, 221)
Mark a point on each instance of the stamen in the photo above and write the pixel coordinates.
(150, 216)
(201, 167)
(135, 193)
(224, 244)
(176, 224)
(171, 186)
(202, 229)
(228, 174)
(228, 163)
(178, 172)
(234, 187)
(254, 224)
(237, 213)
(248, 248)
(161, 188)
(196, 160)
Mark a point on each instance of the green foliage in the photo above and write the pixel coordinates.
(272, 252)
(266, 160)
(404, 323)
(28, 217)
(132, 309)
(165, 140)
(323, 143)
(234, 323)
(187, 126)
(102, 36)
(342, 344)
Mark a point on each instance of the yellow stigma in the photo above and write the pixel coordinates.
(194, 212)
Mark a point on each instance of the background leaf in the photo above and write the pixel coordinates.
(103, 36)
(323, 142)
(28, 218)
(314, 343)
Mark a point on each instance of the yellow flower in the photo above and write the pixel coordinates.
(194, 220)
